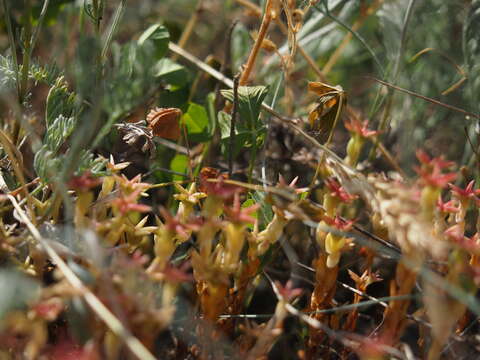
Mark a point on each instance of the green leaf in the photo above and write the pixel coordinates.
(179, 164)
(46, 74)
(266, 212)
(250, 100)
(212, 115)
(242, 136)
(196, 122)
(171, 72)
(158, 35)
(58, 132)
(177, 97)
(46, 163)
(246, 204)
(59, 102)
(7, 74)
(88, 162)
(18, 291)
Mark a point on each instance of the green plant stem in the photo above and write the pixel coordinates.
(36, 32)
(26, 55)
(327, 13)
(253, 156)
(30, 41)
(232, 125)
(97, 12)
(11, 40)
(188, 31)
(112, 29)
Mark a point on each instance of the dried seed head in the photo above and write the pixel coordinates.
(267, 45)
(399, 208)
(164, 122)
(297, 16)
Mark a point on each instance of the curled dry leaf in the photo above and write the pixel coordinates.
(164, 122)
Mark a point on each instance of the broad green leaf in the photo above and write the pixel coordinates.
(171, 72)
(179, 164)
(159, 36)
(250, 100)
(242, 136)
(59, 102)
(196, 122)
(18, 291)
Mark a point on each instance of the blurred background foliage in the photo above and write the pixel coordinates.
(423, 46)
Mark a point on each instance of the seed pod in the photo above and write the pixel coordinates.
(164, 122)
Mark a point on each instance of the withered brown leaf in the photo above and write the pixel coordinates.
(324, 117)
(164, 122)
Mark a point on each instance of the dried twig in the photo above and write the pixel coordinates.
(426, 98)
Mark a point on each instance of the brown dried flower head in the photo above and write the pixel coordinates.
(164, 122)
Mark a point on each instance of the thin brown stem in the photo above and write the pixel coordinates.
(348, 37)
(188, 31)
(433, 101)
(267, 18)
(251, 6)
